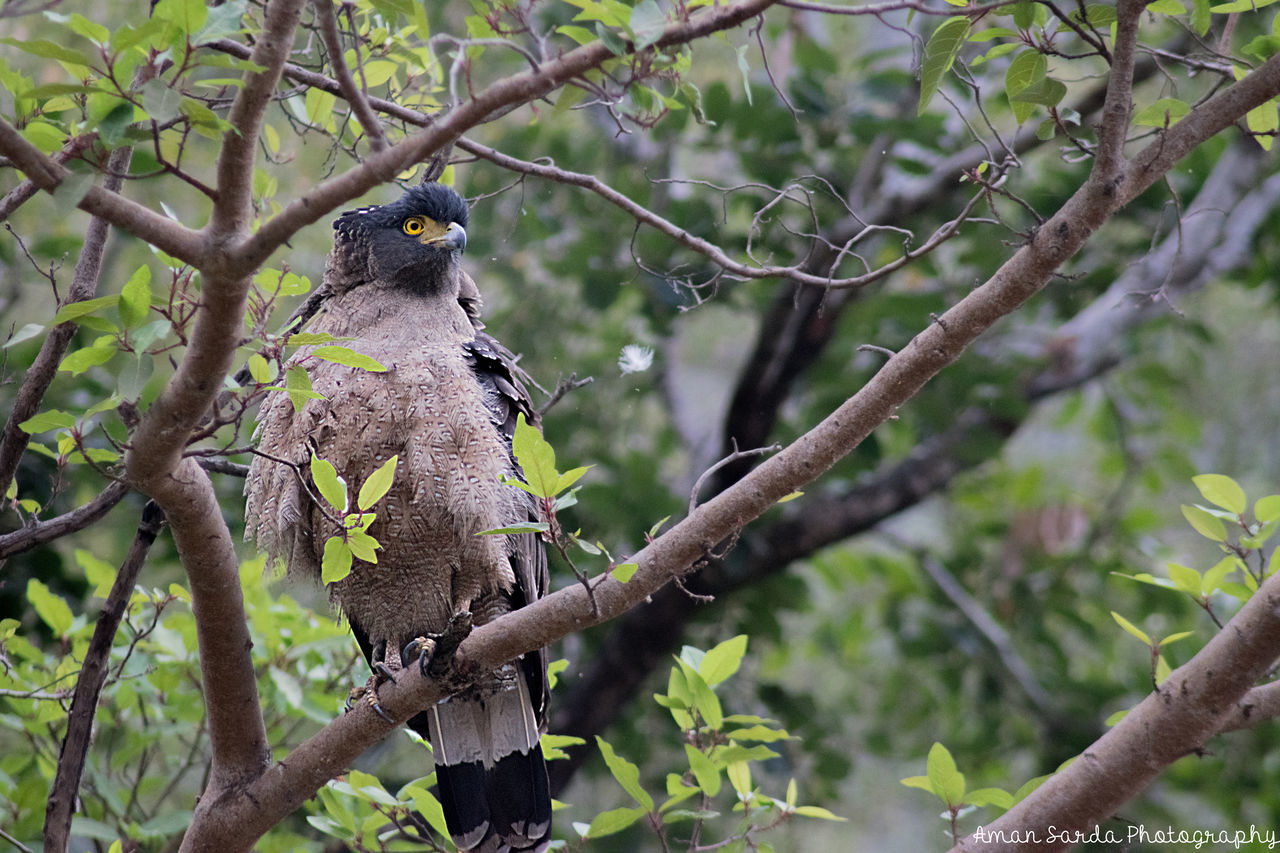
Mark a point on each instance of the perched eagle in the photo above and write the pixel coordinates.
(446, 405)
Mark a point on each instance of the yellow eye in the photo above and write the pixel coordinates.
(414, 225)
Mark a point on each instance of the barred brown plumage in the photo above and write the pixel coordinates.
(447, 406)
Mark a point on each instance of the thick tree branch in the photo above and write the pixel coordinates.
(84, 284)
(1119, 102)
(1195, 702)
(493, 100)
(47, 174)
(356, 97)
(233, 207)
(287, 784)
(43, 532)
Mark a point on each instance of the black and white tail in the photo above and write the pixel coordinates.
(489, 767)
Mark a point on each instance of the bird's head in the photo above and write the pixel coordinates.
(412, 243)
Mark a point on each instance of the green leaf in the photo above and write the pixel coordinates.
(45, 421)
(537, 459)
(1240, 6)
(1186, 579)
(51, 608)
(331, 487)
(50, 50)
(704, 770)
(744, 68)
(623, 572)
(298, 384)
(26, 333)
(818, 812)
(647, 23)
(1217, 574)
(135, 298)
(75, 310)
(627, 774)
(1131, 628)
(1200, 16)
(1165, 111)
(349, 357)
(739, 773)
(1166, 7)
(940, 54)
(82, 359)
(947, 781)
(1173, 638)
(335, 564)
(1204, 523)
(704, 699)
(426, 804)
(1095, 15)
(363, 546)
(1267, 509)
(568, 478)
(614, 820)
(723, 660)
(1026, 69)
(259, 369)
(378, 484)
(921, 782)
(990, 797)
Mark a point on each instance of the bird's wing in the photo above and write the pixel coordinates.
(506, 397)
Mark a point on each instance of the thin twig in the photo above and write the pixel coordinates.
(731, 458)
(93, 675)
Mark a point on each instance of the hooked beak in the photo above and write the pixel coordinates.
(454, 239)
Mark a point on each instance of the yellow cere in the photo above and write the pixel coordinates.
(424, 228)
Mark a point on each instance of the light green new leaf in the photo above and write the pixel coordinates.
(348, 357)
(1131, 628)
(997, 797)
(82, 359)
(331, 487)
(1165, 111)
(537, 459)
(568, 478)
(623, 572)
(739, 773)
(818, 812)
(1166, 7)
(1173, 638)
(362, 545)
(378, 484)
(614, 820)
(940, 54)
(1267, 509)
(627, 774)
(704, 770)
(45, 421)
(51, 608)
(335, 564)
(259, 369)
(1186, 579)
(135, 298)
(1240, 6)
(426, 804)
(297, 383)
(1207, 525)
(723, 660)
(75, 310)
(1217, 574)
(921, 782)
(947, 781)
